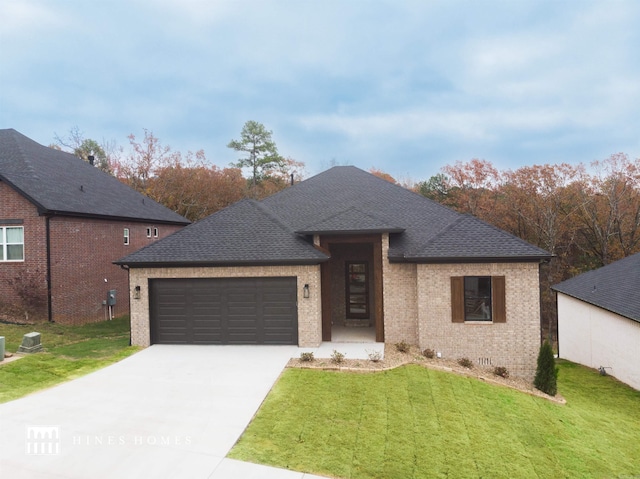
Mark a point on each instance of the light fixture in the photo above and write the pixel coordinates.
(136, 292)
(305, 291)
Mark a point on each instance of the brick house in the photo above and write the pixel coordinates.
(343, 249)
(62, 224)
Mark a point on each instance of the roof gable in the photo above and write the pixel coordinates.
(60, 183)
(614, 287)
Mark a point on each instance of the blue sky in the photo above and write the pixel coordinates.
(403, 86)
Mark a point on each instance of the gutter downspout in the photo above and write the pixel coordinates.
(126, 268)
(48, 240)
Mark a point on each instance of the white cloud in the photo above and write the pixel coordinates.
(26, 18)
(464, 126)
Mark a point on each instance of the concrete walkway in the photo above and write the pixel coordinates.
(165, 412)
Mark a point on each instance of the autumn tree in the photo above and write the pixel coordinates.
(472, 187)
(541, 205)
(186, 184)
(609, 209)
(194, 190)
(381, 174)
(142, 161)
(260, 153)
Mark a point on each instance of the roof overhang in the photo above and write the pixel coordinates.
(74, 214)
(470, 259)
(350, 232)
(204, 264)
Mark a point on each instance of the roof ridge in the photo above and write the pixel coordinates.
(441, 233)
(266, 210)
(15, 135)
(330, 217)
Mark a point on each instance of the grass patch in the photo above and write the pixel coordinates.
(69, 352)
(413, 422)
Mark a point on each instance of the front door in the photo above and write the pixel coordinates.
(357, 290)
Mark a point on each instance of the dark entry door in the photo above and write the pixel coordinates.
(357, 289)
(224, 311)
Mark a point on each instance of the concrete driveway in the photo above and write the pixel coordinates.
(165, 412)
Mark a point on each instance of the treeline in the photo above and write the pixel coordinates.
(586, 215)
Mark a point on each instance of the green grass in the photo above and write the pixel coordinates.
(69, 352)
(413, 422)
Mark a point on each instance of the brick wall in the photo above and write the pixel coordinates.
(513, 344)
(13, 206)
(82, 252)
(400, 303)
(309, 309)
(82, 272)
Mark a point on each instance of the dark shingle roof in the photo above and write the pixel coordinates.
(615, 287)
(430, 231)
(245, 233)
(473, 239)
(60, 183)
(342, 200)
(350, 221)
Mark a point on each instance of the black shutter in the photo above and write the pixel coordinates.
(498, 298)
(457, 299)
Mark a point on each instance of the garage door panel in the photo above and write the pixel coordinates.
(224, 311)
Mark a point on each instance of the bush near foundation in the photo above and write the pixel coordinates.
(546, 372)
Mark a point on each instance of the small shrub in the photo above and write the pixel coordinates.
(501, 371)
(306, 357)
(375, 356)
(465, 363)
(403, 346)
(546, 379)
(429, 353)
(337, 357)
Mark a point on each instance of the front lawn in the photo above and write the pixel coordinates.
(413, 422)
(69, 352)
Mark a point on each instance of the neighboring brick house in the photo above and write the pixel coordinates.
(343, 249)
(62, 224)
(599, 319)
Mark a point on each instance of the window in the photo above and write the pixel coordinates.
(126, 236)
(148, 232)
(11, 243)
(478, 298)
(155, 232)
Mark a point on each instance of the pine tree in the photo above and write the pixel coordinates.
(547, 372)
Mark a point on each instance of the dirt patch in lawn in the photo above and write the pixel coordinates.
(394, 358)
